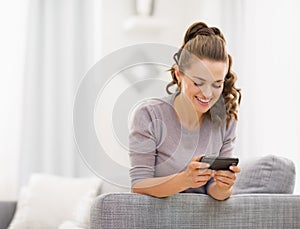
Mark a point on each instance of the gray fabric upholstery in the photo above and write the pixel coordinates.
(7, 210)
(265, 175)
(128, 210)
(268, 174)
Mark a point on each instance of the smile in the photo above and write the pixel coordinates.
(203, 101)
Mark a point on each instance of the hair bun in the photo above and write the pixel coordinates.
(200, 28)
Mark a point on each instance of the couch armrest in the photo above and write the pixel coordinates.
(128, 210)
(7, 211)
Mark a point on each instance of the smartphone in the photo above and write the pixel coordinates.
(219, 163)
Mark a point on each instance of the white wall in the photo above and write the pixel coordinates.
(12, 40)
(174, 17)
(269, 76)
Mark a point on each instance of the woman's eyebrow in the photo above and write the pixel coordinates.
(199, 78)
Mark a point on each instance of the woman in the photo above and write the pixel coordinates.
(169, 136)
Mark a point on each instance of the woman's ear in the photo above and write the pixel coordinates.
(177, 74)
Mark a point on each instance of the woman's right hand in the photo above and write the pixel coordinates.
(197, 173)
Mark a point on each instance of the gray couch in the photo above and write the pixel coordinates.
(262, 199)
(127, 210)
(7, 210)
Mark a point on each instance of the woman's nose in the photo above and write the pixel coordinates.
(206, 91)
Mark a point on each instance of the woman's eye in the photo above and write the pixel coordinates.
(217, 85)
(198, 84)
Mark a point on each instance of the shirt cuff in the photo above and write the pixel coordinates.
(208, 184)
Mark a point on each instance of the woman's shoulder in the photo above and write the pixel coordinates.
(230, 127)
(232, 124)
(150, 109)
(154, 105)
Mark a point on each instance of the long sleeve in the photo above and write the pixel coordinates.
(142, 145)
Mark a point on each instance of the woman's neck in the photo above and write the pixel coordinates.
(186, 114)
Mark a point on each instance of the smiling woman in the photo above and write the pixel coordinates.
(213, 64)
(169, 136)
(207, 92)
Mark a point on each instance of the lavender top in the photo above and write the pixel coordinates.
(159, 146)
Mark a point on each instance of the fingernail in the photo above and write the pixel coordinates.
(207, 165)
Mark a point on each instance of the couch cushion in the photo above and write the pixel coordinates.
(268, 174)
(48, 200)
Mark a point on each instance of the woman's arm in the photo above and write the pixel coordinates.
(221, 187)
(161, 186)
(195, 175)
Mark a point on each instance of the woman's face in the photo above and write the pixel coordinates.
(202, 83)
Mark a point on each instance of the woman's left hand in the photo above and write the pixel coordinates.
(226, 179)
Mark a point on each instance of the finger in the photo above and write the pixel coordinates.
(227, 174)
(204, 172)
(228, 180)
(203, 165)
(235, 169)
(197, 158)
(224, 181)
(194, 165)
(200, 181)
(223, 185)
(198, 165)
(202, 178)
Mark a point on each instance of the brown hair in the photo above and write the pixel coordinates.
(208, 43)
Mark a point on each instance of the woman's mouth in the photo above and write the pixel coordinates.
(204, 102)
